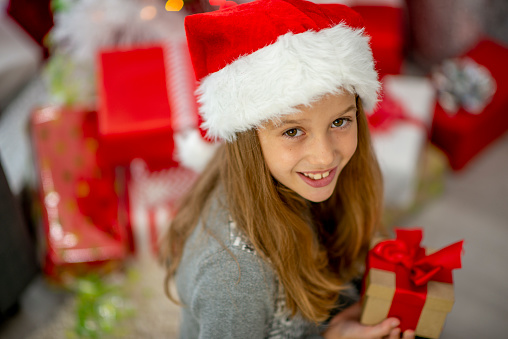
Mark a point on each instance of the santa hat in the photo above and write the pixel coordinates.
(257, 61)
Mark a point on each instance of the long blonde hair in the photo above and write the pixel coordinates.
(313, 247)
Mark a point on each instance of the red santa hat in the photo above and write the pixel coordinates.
(257, 61)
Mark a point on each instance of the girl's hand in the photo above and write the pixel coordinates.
(346, 325)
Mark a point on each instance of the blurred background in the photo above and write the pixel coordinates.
(94, 93)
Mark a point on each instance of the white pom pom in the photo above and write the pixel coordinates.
(193, 151)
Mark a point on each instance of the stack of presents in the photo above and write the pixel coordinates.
(110, 178)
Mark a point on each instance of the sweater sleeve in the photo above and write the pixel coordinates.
(232, 299)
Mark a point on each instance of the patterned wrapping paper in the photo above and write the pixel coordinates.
(409, 282)
(82, 226)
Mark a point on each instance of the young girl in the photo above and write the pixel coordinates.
(278, 225)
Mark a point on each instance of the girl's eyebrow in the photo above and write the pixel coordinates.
(350, 108)
(282, 122)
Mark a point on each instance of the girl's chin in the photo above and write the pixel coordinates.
(316, 196)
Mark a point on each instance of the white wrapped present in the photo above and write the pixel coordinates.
(399, 146)
(153, 200)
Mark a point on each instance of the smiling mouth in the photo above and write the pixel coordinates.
(318, 179)
(317, 176)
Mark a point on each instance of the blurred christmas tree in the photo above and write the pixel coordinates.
(84, 27)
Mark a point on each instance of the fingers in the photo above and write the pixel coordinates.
(389, 329)
(408, 334)
(350, 328)
(394, 334)
(346, 325)
(384, 329)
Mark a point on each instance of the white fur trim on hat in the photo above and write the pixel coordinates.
(193, 151)
(295, 70)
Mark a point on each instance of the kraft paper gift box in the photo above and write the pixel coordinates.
(84, 229)
(133, 109)
(400, 138)
(406, 281)
(463, 134)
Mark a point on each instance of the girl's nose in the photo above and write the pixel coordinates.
(321, 151)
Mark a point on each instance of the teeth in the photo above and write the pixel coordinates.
(317, 176)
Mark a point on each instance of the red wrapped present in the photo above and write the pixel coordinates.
(385, 26)
(82, 226)
(464, 124)
(403, 281)
(134, 110)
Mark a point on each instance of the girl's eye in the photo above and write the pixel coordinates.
(341, 122)
(293, 132)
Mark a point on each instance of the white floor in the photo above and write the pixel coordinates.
(474, 207)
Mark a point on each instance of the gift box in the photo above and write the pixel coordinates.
(154, 197)
(463, 134)
(84, 228)
(400, 128)
(432, 168)
(384, 24)
(134, 110)
(409, 282)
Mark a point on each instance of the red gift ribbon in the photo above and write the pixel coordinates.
(413, 270)
(388, 113)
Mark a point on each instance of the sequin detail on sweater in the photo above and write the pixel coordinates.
(283, 325)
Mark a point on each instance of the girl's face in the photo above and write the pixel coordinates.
(306, 151)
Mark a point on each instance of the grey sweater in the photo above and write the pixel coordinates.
(228, 291)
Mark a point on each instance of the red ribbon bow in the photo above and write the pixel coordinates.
(405, 250)
(389, 112)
